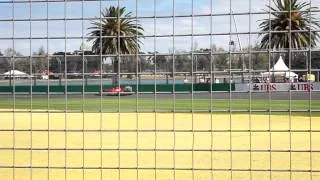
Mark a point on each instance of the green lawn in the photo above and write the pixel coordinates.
(112, 104)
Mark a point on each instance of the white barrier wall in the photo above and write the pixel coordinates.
(277, 86)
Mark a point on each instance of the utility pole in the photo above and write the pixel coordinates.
(85, 71)
(240, 48)
(59, 64)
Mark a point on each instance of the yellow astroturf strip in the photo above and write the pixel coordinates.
(66, 141)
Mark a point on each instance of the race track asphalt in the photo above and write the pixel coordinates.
(203, 95)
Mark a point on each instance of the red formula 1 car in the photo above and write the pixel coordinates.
(115, 91)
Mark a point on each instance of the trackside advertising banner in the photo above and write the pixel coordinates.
(278, 87)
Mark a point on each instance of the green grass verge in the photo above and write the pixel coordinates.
(112, 104)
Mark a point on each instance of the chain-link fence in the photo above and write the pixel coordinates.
(159, 89)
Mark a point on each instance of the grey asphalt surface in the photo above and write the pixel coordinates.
(203, 95)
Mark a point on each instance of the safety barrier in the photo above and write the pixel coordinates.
(97, 88)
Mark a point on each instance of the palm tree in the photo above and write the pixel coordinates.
(286, 15)
(115, 33)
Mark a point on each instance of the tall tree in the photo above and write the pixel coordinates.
(290, 15)
(116, 33)
(2, 63)
(16, 63)
(40, 63)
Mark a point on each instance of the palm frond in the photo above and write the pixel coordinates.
(108, 33)
(288, 15)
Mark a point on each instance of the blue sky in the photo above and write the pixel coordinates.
(220, 24)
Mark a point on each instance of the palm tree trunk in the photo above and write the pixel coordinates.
(116, 76)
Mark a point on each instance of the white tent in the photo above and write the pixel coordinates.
(290, 74)
(15, 73)
(280, 69)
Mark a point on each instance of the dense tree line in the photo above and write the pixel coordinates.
(216, 59)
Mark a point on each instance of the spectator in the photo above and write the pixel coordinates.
(300, 79)
(295, 79)
(255, 80)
